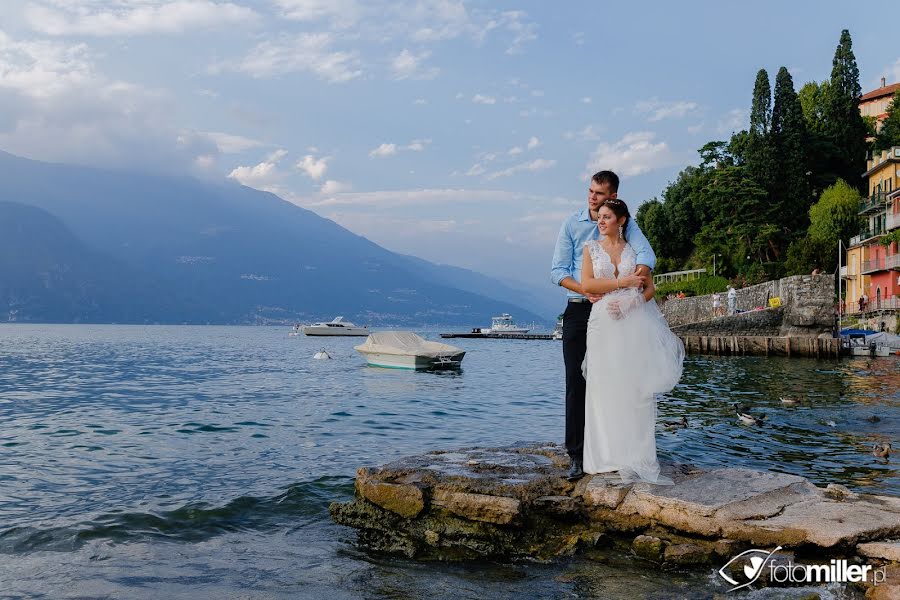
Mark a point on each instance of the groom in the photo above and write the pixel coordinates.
(575, 232)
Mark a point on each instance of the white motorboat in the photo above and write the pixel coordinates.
(336, 327)
(406, 350)
(505, 324)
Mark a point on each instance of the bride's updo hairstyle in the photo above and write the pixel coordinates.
(620, 209)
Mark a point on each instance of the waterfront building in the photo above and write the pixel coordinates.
(875, 103)
(873, 269)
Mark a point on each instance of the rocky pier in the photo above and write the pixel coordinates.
(514, 502)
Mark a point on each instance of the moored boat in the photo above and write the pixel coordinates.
(406, 350)
(336, 327)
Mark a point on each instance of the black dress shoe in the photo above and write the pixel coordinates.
(576, 471)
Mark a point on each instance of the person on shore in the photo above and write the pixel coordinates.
(732, 300)
(631, 356)
(566, 270)
(716, 304)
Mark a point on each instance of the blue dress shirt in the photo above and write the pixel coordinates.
(578, 230)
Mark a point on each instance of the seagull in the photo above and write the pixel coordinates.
(747, 418)
(788, 400)
(673, 425)
(873, 419)
(831, 423)
(881, 452)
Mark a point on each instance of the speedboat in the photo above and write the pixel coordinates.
(336, 327)
(504, 324)
(406, 350)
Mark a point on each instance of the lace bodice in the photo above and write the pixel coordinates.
(603, 265)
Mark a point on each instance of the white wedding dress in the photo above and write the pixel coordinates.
(629, 361)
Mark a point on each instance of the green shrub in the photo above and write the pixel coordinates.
(694, 287)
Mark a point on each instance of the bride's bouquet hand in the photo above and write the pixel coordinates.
(631, 281)
(619, 308)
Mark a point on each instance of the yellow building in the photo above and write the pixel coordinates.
(856, 283)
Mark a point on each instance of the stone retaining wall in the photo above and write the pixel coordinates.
(807, 308)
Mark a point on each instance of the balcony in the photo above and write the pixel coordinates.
(892, 303)
(863, 236)
(873, 204)
(892, 222)
(871, 266)
(892, 262)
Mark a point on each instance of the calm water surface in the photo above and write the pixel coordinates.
(199, 462)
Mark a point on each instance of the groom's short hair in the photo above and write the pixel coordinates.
(607, 177)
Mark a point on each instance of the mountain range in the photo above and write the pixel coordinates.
(81, 244)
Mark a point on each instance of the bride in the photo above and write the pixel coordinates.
(631, 356)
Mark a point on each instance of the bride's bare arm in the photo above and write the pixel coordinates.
(592, 285)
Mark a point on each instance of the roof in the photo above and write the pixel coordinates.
(887, 90)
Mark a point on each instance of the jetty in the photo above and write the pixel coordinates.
(477, 334)
(515, 503)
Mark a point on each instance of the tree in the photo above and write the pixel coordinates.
(812, 100)
(759, 153)
(843, 123)
(889, 136)
(790, 186)
(835, 216)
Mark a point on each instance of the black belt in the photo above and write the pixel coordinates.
(578, 300)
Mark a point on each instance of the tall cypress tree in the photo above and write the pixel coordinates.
(760, 158)
(791, 191)
(844, 124)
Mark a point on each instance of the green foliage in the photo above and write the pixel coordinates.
(889, 136)
(812, 101)
(751, 200)
(833, 217)
(790, 186)
(694, 287)
(843, 124)
(891, 238)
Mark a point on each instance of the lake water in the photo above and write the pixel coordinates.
(199, 462)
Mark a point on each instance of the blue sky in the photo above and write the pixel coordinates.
(461, 132)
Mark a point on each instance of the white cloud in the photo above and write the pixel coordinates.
(420, 197)
(263, 176)
(407, 65)
(533, 143)
(384, 150)
(125, 19)
(342, 13)
(515, 150)
(658, 110)
(476, 169)
(335, 187)
(313, 167)
(389, 149)
(538, 164)
(417, 145)
(586, 100)
(420, 101)
(634, 154)
(56, 106)
(587, 134)
(523, 32)
(695, 129)
(735, 120)
(232, 144)
(481, 99)
(306, 52)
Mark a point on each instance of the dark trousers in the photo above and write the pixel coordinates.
(574, 342)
